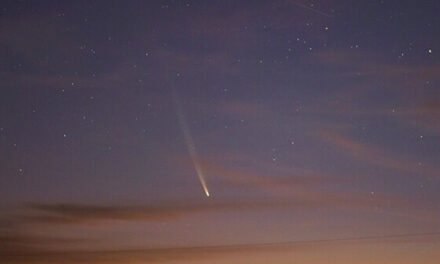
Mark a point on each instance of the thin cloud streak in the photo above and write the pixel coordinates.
(296, 200)
(377, 156)
(88, 214)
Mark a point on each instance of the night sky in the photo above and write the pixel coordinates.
(229, 131)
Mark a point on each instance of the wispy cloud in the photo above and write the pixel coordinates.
(376, 155)
(355, 63)
(274, 180)
(304, 187)
(89, 214)
(295, 196)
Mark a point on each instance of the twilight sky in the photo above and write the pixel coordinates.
(314, 126)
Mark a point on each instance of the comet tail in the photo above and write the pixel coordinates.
(190, 143)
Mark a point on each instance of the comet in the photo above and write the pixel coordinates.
(190, 143)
